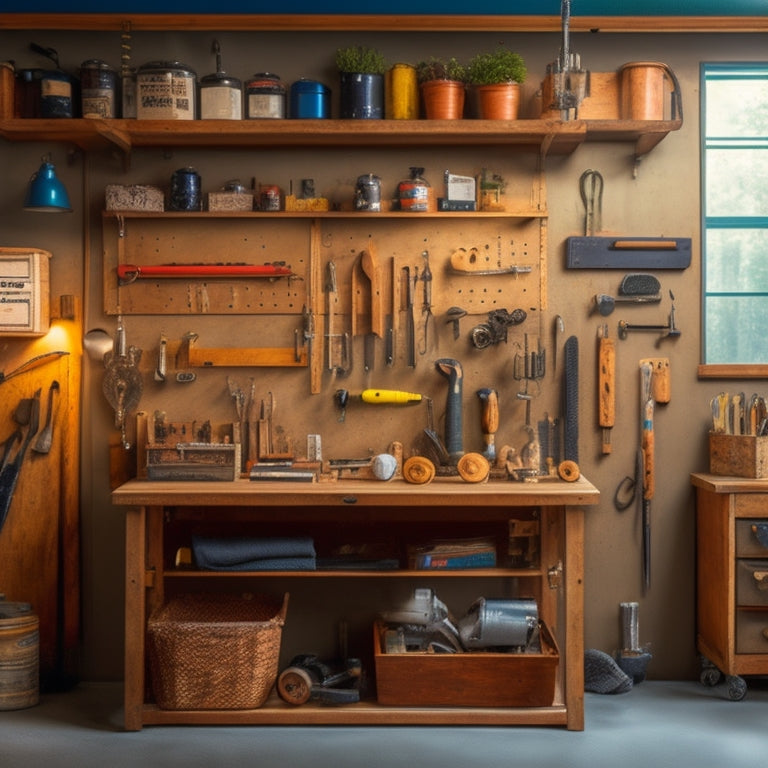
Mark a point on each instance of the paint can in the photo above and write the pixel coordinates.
(19, 656)
(368, 193)
(265, 97)
(310, 99)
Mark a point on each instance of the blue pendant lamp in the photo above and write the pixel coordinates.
(45, 192)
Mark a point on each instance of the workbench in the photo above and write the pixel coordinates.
(732, 568)
(160, 516)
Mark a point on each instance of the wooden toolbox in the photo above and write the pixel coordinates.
(738, 455)
(474, 679)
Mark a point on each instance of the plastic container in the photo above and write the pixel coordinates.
(310, 99)
(265, 97)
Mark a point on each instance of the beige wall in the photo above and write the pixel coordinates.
(661, 199)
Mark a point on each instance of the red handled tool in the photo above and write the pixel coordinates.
(128, 273)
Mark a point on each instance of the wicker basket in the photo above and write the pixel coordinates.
(215, 651)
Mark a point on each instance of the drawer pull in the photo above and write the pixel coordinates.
(760, 530)
(761, 577)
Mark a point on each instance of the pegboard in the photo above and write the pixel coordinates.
(162, 239)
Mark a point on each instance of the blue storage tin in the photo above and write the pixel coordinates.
(310, 99)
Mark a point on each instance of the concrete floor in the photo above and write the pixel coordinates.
(655, 725)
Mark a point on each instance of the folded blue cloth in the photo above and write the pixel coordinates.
(252, 554)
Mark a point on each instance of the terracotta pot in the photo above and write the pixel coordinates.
(498, 102)
(443, 99)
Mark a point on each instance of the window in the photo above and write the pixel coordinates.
(734, 125)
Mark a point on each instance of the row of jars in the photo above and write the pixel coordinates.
(163, 91)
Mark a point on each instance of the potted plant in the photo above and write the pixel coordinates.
(443, 88)
(361, 77)
(496, 77)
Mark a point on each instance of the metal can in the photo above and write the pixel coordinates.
(98, 86)
(166, 91)
(402, 93)
(310, 99)
(265, 96)
(269, 197)
(368, 193)
(27, 95)
(185, 190)
(221, 97)
(56, 94)
(414, 192)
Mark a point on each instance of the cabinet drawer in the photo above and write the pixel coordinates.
(752, 632)
(752, 538)
(752, 582)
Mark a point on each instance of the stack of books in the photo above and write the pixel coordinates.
(453, 553)
(282, 470)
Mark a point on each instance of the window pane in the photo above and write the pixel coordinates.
(736, 261)
(737, 107)
(736, 182)
(734, 330)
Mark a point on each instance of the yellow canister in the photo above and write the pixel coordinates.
(402, 93)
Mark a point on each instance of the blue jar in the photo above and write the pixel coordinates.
(185, 190)
(310, 99)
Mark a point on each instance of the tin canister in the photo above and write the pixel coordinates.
(221, 97)
(414, 192)
(56, 94)
(368, 193)
(310, 99)
(98, 88)
(185, 190)
(166, 91)
(402, 93)
(270, 197)
(19, 656)
(128, 82)
(7, 89)
(27, 95)
(265, 96)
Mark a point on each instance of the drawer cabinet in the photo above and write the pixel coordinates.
(732, 578)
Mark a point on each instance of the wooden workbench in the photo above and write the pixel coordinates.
(159, 513)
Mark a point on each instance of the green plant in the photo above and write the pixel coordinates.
(360, 60)
(441, 69)
(498, 66)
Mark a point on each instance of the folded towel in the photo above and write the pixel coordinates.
(251, 554)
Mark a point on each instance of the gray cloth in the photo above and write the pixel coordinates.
(254, 554)
(603, 675)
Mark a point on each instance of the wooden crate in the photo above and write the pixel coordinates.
(476, 679)
(24, 291)
(601, 104)
(738, 455)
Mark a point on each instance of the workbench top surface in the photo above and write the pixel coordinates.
(729, 484)
(441, 491)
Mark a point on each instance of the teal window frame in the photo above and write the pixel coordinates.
(734, 218)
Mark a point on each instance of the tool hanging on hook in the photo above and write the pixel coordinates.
(426, 306)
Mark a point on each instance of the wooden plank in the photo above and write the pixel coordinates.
(282, 357)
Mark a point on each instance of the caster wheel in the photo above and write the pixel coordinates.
(710, 677)
(737, 687)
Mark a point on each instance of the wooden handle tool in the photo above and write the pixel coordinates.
(606, 379)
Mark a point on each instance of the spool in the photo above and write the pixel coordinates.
(19, 656)
(642, 90)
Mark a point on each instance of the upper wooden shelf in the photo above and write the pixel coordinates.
(543, 136)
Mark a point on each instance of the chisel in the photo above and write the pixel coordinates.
(649, 480)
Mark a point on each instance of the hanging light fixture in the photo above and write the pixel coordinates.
(46, 193)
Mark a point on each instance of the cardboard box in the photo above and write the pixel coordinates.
(134, 197)
(476, 679)
(230, 201)
(738, 455)
(24, 291)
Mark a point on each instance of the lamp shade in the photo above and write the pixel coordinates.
(46, 192)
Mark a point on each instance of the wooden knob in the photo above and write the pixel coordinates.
(568, 471)
(418, 470)
(473, 467)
